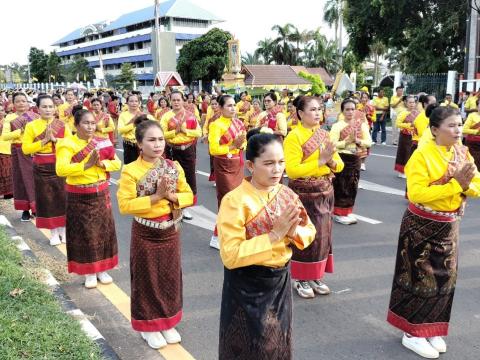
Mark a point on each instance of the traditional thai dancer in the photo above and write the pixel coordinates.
(6, 179)
(259, 223)
(311, 161)
(213, 114)
(85, 160)
(153, 189)
(440, 175)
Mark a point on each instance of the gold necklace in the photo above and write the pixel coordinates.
(271, 213)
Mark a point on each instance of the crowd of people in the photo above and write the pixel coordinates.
(56, 156)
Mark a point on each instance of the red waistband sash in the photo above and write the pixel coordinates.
(161, 218)
(44, 158)
(16, 145)
(441, 216)
(82, 189)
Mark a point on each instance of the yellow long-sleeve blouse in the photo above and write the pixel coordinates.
(5, 146)
(130, 203)
(420, 124)
(295, 167)
(242, 114)
(401, 124)
(128, 130)
(102, 129)
(281, 122)
(67, 119)
(16, 136)
(74, 172)
(173, 137)
(206, 123)
(34, 129)
(216, 130)
(472, 120)
(341, 145)
(428, 164)
(239, 207)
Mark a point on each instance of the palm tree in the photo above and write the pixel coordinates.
(265, 50)
(331, 15)
(283, 52)
(322, 52)
(377, 49)
(251, 59)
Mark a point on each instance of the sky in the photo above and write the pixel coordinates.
(48, 21)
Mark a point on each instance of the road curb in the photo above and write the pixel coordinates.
(67, 304)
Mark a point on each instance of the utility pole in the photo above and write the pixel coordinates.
(340, 32)
(157, 37)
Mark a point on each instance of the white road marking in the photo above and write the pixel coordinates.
(202, 173)
(367, 185)
(387, 156)
(50, 279)
(367, 220)
(114, 181)
(86, 325)
(121, 150)
(342, 291)
(202, 217)
(4, 221)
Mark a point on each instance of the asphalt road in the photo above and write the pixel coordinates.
(348, 324)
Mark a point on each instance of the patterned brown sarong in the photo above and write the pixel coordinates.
(345, 185)
(404, 151)
(49, 196)
(6, 180)
(256, 314)
(317, 198)
(187, 159)
(156, 278)
(23, 184)
(425, 275)
(92, 242)
(228, 174)
(474, 149)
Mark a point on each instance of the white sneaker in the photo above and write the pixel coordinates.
(154, 339)
(303, 289)
(171, 336)
(104, 277)
(420, 346)
(214, 242)
(187, 215)
(402, 176)
(55, 239)
(363, 167)
(438, 343)
(384, 143)
(91, 281)
(63, 234)
(345, 220)
(214, 184)
(352, 218)
(319, 287)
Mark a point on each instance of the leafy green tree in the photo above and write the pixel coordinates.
(204, 58)
(265, 50)
(331, 15)
(322, 52)
(78, 70)
(54, 67)
(126, 78)
(283, 51)
(251, 59)
(38, 64)
(429, 34)
(318, 86)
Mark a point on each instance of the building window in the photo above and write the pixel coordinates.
(148, 63)
(131, 46)
(190, 23)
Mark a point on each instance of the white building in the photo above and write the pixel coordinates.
(128, 38)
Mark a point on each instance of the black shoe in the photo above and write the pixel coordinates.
(26, 216)
(6, 197)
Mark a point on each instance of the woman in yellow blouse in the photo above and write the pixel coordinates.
(351, 136)
(273, 116)
(226, 140)
(243, 108)
(126, 128)
(86, 160)
(420, 124)
(182, 129)
(440, 175)
(471, 131)
(6, 180)
(39, 140)
(22, 165)
(311, 160)
(253, 115)
(153, 189)
(213, 114)
(105, 125)
(292, 118)
(259, 223)
(163, 108)
(405, 121)
(190, 106)
(65, 110)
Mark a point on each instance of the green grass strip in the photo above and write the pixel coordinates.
(32, 323)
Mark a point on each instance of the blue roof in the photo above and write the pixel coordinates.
(144, 76)
(171, 8)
